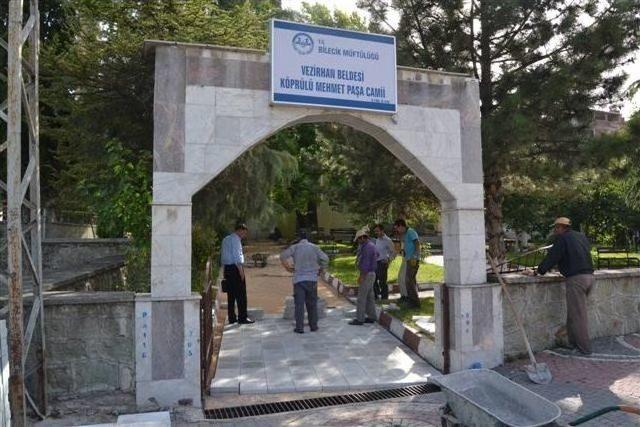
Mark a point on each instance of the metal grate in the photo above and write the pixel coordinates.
(317, 402)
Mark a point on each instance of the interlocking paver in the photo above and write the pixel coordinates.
(338, 357)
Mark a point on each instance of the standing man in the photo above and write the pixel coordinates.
(571, 252)
(308, 261)
(411, 245)
(386, 253)
(232, 260)
(367, 262)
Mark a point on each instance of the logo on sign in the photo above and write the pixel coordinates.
(302, 43)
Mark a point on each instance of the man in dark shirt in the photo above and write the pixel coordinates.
(571, 253)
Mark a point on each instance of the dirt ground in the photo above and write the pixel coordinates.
(268, 287)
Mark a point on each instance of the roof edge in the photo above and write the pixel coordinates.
(150, 45)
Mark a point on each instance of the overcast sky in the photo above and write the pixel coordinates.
(350, 6)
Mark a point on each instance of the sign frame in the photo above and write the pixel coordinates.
(332, 103)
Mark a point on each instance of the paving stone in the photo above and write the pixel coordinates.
(337, 358)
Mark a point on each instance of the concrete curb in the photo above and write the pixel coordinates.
(422, 346)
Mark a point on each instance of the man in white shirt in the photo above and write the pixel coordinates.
(232, 261)
(386, 254)
(305, 260)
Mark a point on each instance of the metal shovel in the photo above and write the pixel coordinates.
(539, 373)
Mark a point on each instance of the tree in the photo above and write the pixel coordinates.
(368, 181)
(541, 66)
(98, 93)
(600, 195)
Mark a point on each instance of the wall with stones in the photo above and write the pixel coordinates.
(111, 277)
(59, 254)
(90, 342)
(613, 308)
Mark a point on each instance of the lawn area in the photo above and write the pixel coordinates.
(344, 268)
(341, 248)
(405, 314)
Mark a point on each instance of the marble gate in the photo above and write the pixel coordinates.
(211, 104)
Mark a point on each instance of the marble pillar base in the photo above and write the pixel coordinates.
(167, 350)
(476, 332)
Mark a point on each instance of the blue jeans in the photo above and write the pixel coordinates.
(306, 294)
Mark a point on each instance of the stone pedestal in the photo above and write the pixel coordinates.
(167, 350)
(290, 306)
(476, 326)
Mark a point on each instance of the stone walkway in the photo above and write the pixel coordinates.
(580, 386)
(268, 357)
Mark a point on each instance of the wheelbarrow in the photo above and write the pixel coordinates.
(481, 397)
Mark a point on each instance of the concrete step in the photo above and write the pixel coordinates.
(255, 313)
(149, 419)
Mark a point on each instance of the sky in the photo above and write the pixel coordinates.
(628, 107)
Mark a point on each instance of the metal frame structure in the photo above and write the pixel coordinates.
(24, 225)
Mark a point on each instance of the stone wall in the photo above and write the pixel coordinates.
(61, 230)
(102, 278)
(59, 254)
(90, 342)
(613, 307)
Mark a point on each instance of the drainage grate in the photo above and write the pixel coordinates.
(317, 402)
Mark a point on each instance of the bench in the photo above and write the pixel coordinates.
(343, 234)
(623, 261)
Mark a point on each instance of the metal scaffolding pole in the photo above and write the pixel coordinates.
(23, 214)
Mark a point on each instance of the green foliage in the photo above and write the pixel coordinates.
(368, 181)
(122, 197)
(344, 268)
(98, 83)
(405, 314)
(243, 191)
(321, 15)
(542, 65)
(97, 99)
(205, 245)
(138, 271)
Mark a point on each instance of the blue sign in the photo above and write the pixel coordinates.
(330, 67)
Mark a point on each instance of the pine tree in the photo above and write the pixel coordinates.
(541, 65)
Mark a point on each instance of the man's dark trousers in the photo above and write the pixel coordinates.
(305, 294)
(236, 294)
(381, 289)
(411, 283)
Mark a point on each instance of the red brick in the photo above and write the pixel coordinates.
(411, 339)
(385, 320)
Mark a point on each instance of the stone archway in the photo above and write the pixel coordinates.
(211, 104)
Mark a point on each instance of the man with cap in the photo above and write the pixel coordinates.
(367, 264)
(571, 252)
(308, 260)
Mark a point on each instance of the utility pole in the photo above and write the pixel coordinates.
(23, 214)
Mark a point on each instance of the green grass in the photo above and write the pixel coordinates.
(405, 314)
(344, 268)
(342, 248)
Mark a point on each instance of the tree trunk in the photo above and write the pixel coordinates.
(493, 217)
(492, 181)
